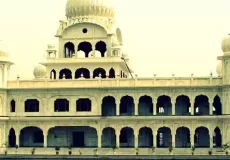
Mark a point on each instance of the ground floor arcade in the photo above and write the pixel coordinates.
(109, 137)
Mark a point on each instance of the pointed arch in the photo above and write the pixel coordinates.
(201, 137)
(145, 138)
(164, 105)
(12, 106)
(69, 50)
(31, 137)
(82, 73)
(164, 137)
(12, 138)
(86, 47)
(101, 47)
(183, 138)
(217, 106)
(99, 72)
(217, 137)
(182, 105)
(112, 73)
(201, 106)
(65, 74)
(127, 137)
(53, 74)
(108, 138)
(108, 106)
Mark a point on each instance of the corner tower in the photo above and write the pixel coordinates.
(223, 70)
(90, 43)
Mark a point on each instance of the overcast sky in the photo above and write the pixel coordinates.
(160, 36)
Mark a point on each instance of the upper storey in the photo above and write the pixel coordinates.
(89, 31)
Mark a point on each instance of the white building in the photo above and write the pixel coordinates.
(84, 97)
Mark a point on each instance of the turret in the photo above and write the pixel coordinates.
(4, 69)
(225, 59)
(51, 51)
(223, 69)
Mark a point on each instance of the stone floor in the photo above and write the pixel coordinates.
(32, 157)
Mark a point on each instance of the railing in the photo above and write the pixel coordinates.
(113, 118)
(111, 83)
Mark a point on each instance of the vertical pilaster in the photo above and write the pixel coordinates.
(73, 105)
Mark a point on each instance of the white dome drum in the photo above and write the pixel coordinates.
(78, 8)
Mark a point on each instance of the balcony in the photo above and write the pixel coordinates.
(117, 83)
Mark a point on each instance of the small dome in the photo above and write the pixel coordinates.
(125, 55)
(219, 68)
(78, 8)
(3, 54)
(39, 71)
(226, 45)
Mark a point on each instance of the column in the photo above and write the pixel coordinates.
(45, 134)
(155, 106)
(210, 105)
(99, 134)
(117, 106)
(136, 132)
(136, 102)
(192, 134)
(192, 101)
(173, 138)
(76, 48)
(211, 139)
(118, 138)
(155, 139)
(17, 134)
(173, 106)
(45, 139)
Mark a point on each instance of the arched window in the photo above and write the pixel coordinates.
(12, 106)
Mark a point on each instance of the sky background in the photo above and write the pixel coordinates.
(162, 37)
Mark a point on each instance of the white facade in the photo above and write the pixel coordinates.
(84, 97)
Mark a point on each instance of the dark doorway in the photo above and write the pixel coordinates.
(12, 138)
(78, 139)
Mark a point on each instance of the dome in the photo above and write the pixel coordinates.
(39, 71)
(101, 8)
(3, 54)
(226, 45)
(219, 68)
